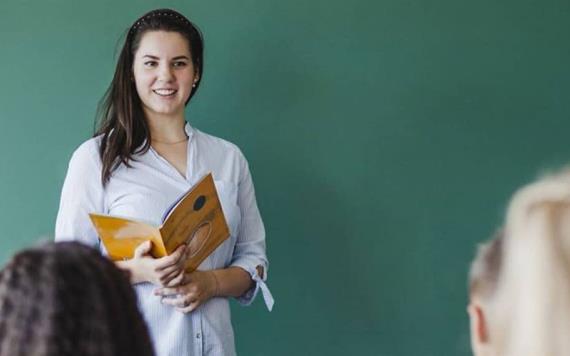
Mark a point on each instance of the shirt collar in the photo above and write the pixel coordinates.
(189, 130)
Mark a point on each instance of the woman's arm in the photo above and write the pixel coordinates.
(233, 281)
(199, 286)
(249, 251)
(81, 194)
(246, 273)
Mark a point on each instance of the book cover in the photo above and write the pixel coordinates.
(196, 219)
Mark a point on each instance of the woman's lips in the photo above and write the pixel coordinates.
(165, 92)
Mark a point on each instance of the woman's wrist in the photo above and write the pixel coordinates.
(134, 274)
(216, 284)
(230, 281)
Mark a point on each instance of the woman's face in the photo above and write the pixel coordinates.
(163, 72)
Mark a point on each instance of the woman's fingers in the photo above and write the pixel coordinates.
(183, 296)
(142, 249)
(172, 259)
(167, 291)
(186, 289)
(175, 280)
(184, 303)
(164, 272)
(179, 302)
(190, 307)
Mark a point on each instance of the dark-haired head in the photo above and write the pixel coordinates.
(121, 119)
(66, 299)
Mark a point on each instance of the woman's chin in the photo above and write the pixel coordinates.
(165, 109)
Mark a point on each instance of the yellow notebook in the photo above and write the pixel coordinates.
(196, 219)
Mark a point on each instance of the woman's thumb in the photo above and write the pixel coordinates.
(143, 249)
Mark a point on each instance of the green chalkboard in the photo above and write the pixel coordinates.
(384, 138)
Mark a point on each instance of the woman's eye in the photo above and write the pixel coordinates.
(179, 64)
(150, 64)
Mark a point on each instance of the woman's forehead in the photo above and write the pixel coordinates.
(163, 44)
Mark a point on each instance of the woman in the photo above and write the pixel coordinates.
(142, 158)
(520, 282)
(47, 309)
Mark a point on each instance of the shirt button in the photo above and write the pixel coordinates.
(197, 335)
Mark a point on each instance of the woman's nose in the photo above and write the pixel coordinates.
(165, 73)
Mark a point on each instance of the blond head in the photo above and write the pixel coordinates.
(530, 309)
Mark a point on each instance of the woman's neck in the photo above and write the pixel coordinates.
(166, 128)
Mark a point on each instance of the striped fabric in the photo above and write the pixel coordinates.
(143, 192)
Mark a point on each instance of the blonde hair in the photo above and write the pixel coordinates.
(484, 271)
(530, 310)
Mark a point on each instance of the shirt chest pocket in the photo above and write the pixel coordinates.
(228, 195)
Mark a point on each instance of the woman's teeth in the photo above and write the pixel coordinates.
(164, 92)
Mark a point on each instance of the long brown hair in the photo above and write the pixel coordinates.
(66, 299)
(120, 117)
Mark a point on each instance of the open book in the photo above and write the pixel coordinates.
(196, 219)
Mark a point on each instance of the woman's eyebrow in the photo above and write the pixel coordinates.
(174, 59)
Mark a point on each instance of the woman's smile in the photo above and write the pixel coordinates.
(165, 92)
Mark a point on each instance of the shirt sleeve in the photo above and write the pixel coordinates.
(249, 251)
(82, 193)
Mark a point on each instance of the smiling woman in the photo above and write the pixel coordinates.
(143, 157)
(164, 74)
(163, 51)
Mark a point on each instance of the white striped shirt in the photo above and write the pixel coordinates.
(143, 192)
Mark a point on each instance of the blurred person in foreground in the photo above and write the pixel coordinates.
(519, 286)
(66, 299)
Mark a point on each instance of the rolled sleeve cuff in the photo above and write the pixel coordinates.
(248, 297)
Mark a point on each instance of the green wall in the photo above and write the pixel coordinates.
(384, 137)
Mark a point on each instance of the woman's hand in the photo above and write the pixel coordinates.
(196, 288)
(166, 271)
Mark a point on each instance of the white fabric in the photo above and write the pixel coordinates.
(143, 192)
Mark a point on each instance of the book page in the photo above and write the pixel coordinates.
(122, 236)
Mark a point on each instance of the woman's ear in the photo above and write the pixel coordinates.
(479, 327)
(196, 79)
